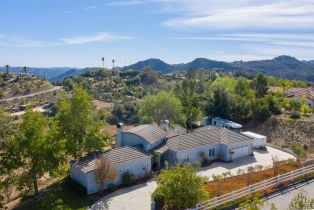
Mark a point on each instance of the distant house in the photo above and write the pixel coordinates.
(297, 93)
(122, 160)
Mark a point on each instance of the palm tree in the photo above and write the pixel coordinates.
(103, 62)
(113, 64)
(25, 69)
(7, 66)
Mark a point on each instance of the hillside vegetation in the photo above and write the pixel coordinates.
(19, 85)
(297, 135)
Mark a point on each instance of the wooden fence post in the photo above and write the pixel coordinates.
(278, 180)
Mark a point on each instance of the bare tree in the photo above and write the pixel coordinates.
(103, 172)
(276, 164)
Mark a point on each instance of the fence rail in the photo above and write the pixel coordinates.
(257, 187)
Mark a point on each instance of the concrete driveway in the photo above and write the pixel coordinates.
(260, 157)
(132, 198)
(139, 197)
(283, 198)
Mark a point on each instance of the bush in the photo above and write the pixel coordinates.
(128, 178)
(112, 187)
(299, 150)
(295, 115)
(77, 187)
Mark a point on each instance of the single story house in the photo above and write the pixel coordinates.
(164, 143)
(121, 159)
(147, 136)
(210, 142)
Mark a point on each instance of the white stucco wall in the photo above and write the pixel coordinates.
(195, 153)
(139, 168)
(130, 139)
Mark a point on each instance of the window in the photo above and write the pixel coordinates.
(213, 153)
(210, 152)
(186, 158)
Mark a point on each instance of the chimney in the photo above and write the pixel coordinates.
(119, 135)
(165, 125)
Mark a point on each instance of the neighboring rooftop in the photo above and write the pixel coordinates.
(116, 156)
(204, 136)
(294, 92)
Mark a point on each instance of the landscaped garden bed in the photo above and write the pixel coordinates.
(226, 185)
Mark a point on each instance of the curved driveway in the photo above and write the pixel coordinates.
(33, 94)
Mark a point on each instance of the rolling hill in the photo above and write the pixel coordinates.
(282, 66)
(155, 64)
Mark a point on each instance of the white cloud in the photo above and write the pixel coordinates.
(90, 8)
(295, 40)
(125, 3)
(15, 41)
(98, 37)
(241, 14)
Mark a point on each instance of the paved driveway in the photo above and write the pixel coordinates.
(260, 157)
(132, 198)
(283, 198)
(139, 197)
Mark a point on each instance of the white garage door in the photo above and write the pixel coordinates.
(240, 152)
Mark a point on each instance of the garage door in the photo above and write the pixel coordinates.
(240, 152)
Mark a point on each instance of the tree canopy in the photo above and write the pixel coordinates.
(164, 105)
(180, 187)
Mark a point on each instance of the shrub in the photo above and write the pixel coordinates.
(299, 150)
(112, 187)
(295, 115)
(128, 178)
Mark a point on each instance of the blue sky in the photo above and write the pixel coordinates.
(77, 33)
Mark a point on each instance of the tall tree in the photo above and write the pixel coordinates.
(218, 104)
(186, 92)
(181, 187)
(164, 105)
(260, 85)
(8, 158)
(77, 124)
(242, 87)
(38, 149)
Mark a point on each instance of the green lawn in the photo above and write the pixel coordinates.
(57, 196)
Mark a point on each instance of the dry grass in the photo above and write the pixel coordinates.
(237, 182)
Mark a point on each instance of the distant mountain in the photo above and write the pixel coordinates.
(204, 63)
(155, 64)
(282, 66)
(69, 73)
(48, 73)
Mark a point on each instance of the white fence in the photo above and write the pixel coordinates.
(260, 186)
